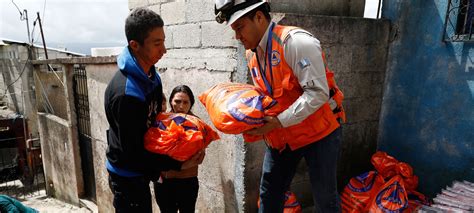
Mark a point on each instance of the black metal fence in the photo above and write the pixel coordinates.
(81, 100)
(459, 22)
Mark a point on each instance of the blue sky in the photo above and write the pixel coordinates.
(78, 25)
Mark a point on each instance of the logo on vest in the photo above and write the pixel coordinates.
(276, 58)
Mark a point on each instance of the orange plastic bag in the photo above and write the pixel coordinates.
(291, 203)
(384, 164)
(415, 200)
(359, 190)
(178, 135)
(235, 108)
(406, 171)
(391, 197)
(388, 166)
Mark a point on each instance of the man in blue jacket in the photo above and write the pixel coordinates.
(132, 100)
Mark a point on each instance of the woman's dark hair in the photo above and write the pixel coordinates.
(140, 22)
(186, 90)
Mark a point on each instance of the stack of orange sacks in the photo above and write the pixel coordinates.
(235, 108)
(391, 188)
(179, 136)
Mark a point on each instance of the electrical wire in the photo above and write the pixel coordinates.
(42, 19)
(21, 14)
(19, 76)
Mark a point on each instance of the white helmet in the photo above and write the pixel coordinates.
(231, 10)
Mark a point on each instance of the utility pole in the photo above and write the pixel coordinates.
(42, 35)
(378, 9)
(27, 25)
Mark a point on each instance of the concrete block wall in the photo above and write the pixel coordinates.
(17, 73)
(354, 8)
(48, 85)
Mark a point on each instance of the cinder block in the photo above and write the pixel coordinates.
(157, 9)
(361, 84)
(169, 36)
(188, 35)
(339, 57)
(173, 12)
(326, 29)
(217, 35)
(200, 11)
(137, 3)
(210, 59)
(153, 2)
(369, 57)
(362, 109)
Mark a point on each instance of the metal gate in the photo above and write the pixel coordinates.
(81, 100)
(21, 168)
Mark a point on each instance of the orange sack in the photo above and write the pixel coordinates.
(359, 190)
(235, 108)
(391, 197)
(291, 203)
(178, 135)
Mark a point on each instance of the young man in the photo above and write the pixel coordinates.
(287, 64)
(132, 100)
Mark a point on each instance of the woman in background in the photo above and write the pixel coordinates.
(178, 190)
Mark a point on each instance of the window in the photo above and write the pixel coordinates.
(459, 26)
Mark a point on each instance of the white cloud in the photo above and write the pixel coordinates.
(67, 21)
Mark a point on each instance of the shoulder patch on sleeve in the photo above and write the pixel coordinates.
(304, 63)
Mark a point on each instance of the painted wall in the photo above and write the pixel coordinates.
(427, 117)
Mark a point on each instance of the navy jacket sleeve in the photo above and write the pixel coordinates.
(131, 118)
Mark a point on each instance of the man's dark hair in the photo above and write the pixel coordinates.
(264, 8)
(186, 90)
(140, 22)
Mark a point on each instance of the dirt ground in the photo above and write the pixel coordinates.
(42, 203)
(37, 199)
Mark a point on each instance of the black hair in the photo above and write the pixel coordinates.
(264, 8)
(186, 90)
(140, 22)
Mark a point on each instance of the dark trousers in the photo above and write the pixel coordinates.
(131, 194)
(279, 169)
(177, 194)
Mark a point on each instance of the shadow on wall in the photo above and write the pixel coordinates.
(230, 200)
(427, 117)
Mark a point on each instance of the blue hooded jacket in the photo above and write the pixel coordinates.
(132, 101)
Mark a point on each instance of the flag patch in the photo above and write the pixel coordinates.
(255, 74)
(304, 63)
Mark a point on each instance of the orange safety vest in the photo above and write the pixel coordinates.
(285, 88)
